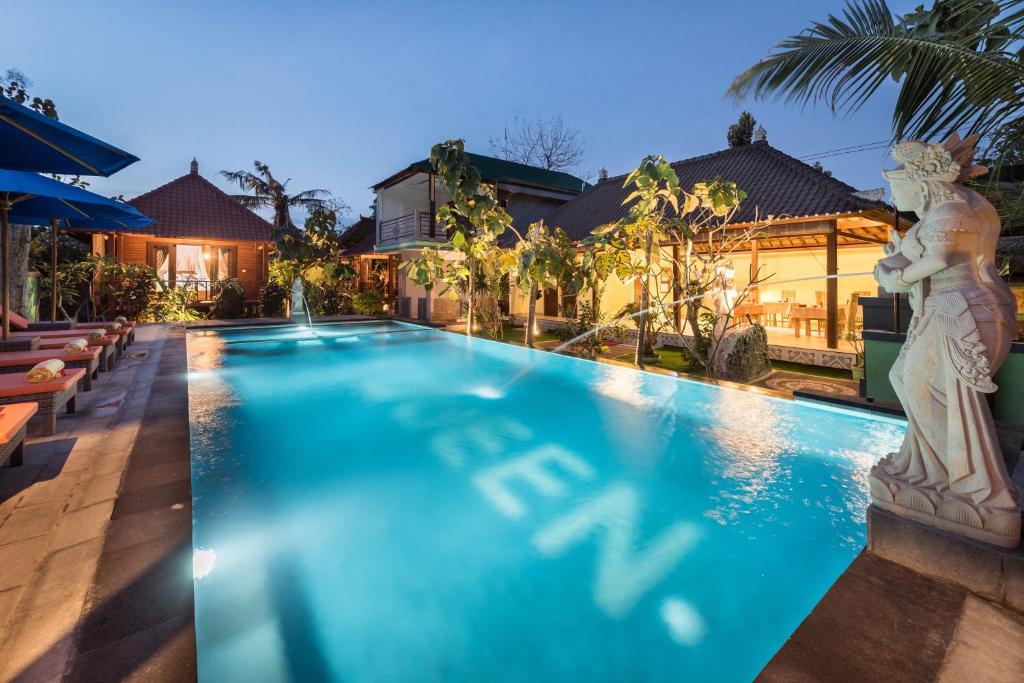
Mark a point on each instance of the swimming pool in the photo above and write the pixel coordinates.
(386, 502)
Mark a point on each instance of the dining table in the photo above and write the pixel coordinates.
(801, 316)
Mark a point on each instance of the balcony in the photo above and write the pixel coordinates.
(407, 229)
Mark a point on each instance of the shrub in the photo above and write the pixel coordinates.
(595, 332)
(230, 300)
(175, 304)
(334, 299)
(129, 289)
(368, 303)
(272, 298)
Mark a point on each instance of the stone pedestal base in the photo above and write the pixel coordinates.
(995, 574)
(947, 512)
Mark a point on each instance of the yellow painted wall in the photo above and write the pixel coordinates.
(780, 265)
(795, 264)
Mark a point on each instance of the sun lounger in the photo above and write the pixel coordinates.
(13, 429)
(23, 361)
(21, 324)
(51, 396)
(108, 346)
(64, 336)
(128, 327)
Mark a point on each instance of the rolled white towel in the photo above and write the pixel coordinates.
(76, 346)
(96, 334)
(46, 371)
(113, 327)
(121, 319)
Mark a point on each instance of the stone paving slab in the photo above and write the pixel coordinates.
(55, 511)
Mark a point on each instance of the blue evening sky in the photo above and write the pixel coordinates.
(340, 95)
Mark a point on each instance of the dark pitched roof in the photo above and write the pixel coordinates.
(193, 207)
(499, 170)
(776, 185)
(360, 237)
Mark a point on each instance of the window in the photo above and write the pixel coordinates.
(194, 263)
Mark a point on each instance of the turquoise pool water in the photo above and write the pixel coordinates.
(384, 502)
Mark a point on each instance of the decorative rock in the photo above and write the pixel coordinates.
(949, 473)
(742, 354)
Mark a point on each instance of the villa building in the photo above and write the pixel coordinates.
(814, 226)
(201, 235)
(407, 205)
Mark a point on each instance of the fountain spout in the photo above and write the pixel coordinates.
(300, 311)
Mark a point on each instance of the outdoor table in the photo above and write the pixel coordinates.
(806, 314)
(775, 308)
(755, 311)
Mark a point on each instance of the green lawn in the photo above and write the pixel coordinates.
(517, 334)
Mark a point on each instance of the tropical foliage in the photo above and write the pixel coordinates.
(958, 65)
(668, 230)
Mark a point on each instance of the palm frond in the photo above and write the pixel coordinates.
(314, 196)
(251, 201)
(949, 78)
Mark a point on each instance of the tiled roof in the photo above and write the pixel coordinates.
(499, 170)
(193, 207)
(360, 237)
(776, 185)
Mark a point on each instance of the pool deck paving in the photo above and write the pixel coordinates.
(95, 531)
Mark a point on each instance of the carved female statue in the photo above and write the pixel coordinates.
(949, 472)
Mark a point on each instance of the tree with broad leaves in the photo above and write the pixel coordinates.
(661, 213)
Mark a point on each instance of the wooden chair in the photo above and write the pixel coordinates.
(819, 298)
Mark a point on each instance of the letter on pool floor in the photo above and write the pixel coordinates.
(531, 468)
(623, 574)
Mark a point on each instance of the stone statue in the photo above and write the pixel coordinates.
(949, 472)
(298, 309)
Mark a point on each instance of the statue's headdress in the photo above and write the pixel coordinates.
(950, 162)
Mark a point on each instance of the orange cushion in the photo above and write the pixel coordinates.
(13, 417)
(16, 385)
(14, 358)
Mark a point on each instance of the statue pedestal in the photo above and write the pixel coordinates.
(996, 574)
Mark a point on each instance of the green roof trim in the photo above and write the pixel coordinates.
(501, 171)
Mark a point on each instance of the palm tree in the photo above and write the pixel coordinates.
(268, 192)
(957, 64)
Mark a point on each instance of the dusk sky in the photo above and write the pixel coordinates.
(339, 95)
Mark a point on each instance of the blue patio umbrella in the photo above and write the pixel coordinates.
(30, 141)
(25, 197)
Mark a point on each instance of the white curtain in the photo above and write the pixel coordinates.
(223, 263)
(189, 263)
(163, 266)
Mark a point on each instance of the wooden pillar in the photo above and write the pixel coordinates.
(5, 279)
(53, 270)
(677, 290)
(832, 288)
(433, 204)
(755, 295)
